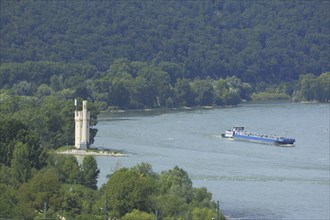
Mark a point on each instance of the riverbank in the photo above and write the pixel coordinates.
(183, 108)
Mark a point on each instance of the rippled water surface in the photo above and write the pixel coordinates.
(251, 181)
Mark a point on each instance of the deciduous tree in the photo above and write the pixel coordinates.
(20, 164)
(44, 187)
(128, 190)
(89, 172)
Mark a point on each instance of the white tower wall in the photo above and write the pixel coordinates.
(84, 130)
(88, 127)
(82, 135)
(78, 125)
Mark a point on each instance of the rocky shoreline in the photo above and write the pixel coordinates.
(92, 153)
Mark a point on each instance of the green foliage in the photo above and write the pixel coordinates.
(136, 214)
(69, 171)
(67, 168)
(170, 206)
(231, 90)
(128, 190)
(71, 205)
(143, 85)
(28, 129)
(89, 172)
(176, 182)
(270, 95)
(178, 198)
(324, 90)
(313, 88)
(202, 214)
(20, 165)
(13, 131)
(253, 40)
(27, 77)
(49, 123)
(43, 187)
(203, 90)
(184, 93)
(5, 175)
(202, 198)
(139, 191)
(73, 49)
(9, 129)
(65, 148)
(79, 202)
(135, 85)
(8, 201)
(131, 193)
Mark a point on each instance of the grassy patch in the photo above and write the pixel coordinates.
(65, 148)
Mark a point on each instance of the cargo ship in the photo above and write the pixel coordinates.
(238, 133)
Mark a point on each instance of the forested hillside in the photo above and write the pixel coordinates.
(146, 54)
(255, 41)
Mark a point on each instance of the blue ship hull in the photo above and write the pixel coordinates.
(265, 140)
(238, 133)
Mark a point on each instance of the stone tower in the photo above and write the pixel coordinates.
(82, 126)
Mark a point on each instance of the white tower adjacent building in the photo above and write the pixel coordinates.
(82, 119)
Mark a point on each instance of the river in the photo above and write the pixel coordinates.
(251, 181)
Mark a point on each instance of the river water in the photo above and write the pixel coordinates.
(251, 181)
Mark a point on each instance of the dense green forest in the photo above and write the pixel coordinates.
(146, 54)
(256, 41)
